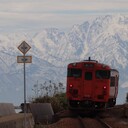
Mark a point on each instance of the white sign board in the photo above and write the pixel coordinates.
(24, 59)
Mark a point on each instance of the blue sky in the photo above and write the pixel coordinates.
(32, 15)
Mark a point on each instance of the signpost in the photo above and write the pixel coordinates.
(24, 48)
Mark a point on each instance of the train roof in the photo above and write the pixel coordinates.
(115, 70)
(89, 61)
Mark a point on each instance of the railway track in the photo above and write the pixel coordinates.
(111, 118)
(81, 122)
(87, 122)
(92, 123)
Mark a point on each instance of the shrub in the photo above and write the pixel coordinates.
(58, 101)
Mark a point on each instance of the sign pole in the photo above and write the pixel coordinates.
(24, 48)
(24, 94)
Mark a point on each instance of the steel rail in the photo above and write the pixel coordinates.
(81, 123)
(103, 123)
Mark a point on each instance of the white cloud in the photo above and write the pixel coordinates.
(16, 13)
(58, 5)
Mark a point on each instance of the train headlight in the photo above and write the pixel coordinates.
(70, 85)
(104, 90)
(104, 87)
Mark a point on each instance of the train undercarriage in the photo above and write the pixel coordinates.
(88, 104)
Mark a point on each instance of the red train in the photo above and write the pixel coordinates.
(91, 85)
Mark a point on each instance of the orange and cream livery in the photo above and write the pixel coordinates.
(91, 84)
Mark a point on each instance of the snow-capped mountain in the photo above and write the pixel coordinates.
(104, 39)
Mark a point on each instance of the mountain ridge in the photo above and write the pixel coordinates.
(104, 39)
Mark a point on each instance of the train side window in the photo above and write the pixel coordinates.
(112, 81)
(88, 75)
(72, 72)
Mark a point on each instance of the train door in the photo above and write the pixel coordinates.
(88, 84)
(116, 88)
(114, 84)
(112, 87)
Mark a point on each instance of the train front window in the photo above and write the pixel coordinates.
(73, 72)
(102, 74)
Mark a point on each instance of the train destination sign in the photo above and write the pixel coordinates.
(24, 47)
(24, 59)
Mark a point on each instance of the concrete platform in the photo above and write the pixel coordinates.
(42, 112)
(6, 109)
(16, 121)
